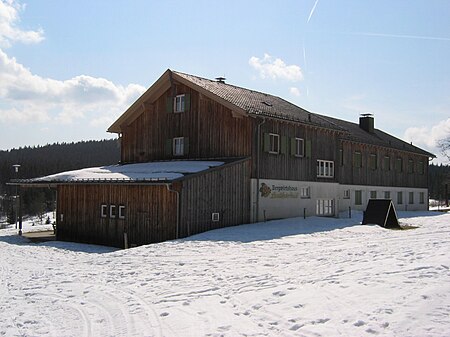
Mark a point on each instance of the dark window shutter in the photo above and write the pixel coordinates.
(187, 102)
(284, 145)
(168, 150)
(266, 142)
(169, 104)
(185, 146)
(293, 146)
(308, 149)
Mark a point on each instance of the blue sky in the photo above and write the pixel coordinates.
(68, 69)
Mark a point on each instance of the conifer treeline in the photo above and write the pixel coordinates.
(40, 161)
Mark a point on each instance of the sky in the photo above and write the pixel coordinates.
(68, 69)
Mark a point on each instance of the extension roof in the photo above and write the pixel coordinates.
(246, 102)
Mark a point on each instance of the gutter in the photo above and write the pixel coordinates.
(169, 188)
(258, 150)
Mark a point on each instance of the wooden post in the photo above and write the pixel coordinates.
(20, 211)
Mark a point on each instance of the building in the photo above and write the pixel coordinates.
(199, 154)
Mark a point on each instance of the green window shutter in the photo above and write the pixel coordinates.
(186, 146)
(187, 102)
(266, 142)
(169, 104)
(168, 150)
(308, 149)
(293, 146)
(284, 145)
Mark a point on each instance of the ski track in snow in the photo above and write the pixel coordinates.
(298, 279)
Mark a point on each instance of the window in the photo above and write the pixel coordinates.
(104, 210)
(399, 165)
(112, 211)
(121, 212)
(178, 146)
(341, 157)
(410, 166)
(215, 217)
(387, 163)
(304, 192)
(373, 161)
(325, 168)
(420, 167)
(325, 207)
(387, 194)
(299, 147)
(274, 143)
(399, 198)
(357, 161)
(347, 194)
(178, 103)
(358, 197)
(373, 194)
(422, 197)
(411, 198)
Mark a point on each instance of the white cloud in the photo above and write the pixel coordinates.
(32, 98)
(275, 68)
(294, 91)
(9, 32)
(428, 137)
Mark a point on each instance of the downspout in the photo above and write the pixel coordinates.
(178, 208)
(258, 149)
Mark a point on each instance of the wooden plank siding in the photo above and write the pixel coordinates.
(150, 214)
(289, 167)
(226, 191)
(348, 173)
(210, 127)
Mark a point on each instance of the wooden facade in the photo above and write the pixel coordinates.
(234, 125)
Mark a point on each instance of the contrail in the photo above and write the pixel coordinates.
(398, 36)
(312, 11)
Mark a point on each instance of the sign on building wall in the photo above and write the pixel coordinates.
(273, 191)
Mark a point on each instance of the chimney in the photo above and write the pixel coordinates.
(220, 80)
(366, 122)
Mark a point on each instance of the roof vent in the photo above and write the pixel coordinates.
(220, 80)
(366, 122)
(267, 103)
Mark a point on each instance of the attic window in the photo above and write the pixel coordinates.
(267, 103)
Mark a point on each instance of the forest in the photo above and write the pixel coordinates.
(44, 160)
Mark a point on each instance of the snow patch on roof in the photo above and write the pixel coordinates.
(165, 171)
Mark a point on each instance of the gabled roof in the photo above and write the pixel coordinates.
(241, 101)
(380, 138)
(248, 102)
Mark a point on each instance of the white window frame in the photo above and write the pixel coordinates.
(346, 194)
(179, 103)
(325, 168)
(178, 146)
(299, 147)
(104, 211)
(112, 211)
(274, 143)
(305, 192)
(325, 207)
(215, 217)
(121, 212)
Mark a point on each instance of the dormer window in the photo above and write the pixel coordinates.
(178, 103)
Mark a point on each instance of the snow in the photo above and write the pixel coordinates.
(168, 170)
(293, 277)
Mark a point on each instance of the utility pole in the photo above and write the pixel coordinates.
(16, 197)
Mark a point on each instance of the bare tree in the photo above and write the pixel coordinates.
(444, 146)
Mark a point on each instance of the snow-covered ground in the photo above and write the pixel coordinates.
(294, 277)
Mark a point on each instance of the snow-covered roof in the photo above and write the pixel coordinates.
(141, 172)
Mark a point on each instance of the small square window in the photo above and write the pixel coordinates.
(304, 192)
(373, 194)
(112, 211)
(121, 212)
(325, 168)
(387, 194)
(104, 210)
(299, 147)
(178, 103)
(215, 217)
(274, 143)
(346, 194)
(178, 146)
